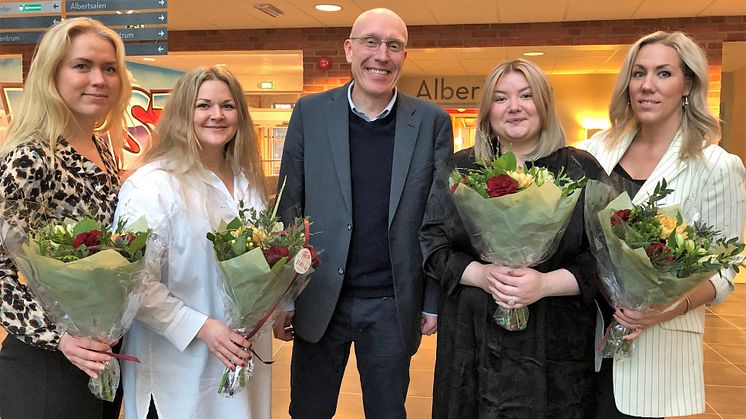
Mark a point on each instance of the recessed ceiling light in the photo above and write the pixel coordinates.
(269, 9)
(148, 59)
(328, 7)
(533, 53)
(266, 85)
(221, 65)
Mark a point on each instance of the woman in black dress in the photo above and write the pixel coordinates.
(481, 369)
(53, 164)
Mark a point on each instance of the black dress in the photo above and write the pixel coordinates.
(485, 371)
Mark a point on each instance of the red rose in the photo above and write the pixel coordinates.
(314, 255)
(130, 238)
(275, 253)
(91, 240)
(501, 185)
(620, 217)
(658, 250)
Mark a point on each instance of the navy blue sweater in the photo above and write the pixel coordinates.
(368, 272)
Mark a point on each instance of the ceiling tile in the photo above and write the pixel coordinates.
(669, 8)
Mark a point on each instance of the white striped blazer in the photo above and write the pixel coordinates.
(664, 375)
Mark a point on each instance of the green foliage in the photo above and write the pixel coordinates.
(682, 249)
(256, 229)
(506, 164)
(58, 240)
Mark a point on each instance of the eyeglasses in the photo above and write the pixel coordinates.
(372, 42)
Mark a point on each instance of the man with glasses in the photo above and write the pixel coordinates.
(359, 160)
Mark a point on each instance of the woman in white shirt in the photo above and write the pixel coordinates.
(662, 129)
(205, 161)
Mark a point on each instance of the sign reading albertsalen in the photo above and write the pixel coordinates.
(73, 6)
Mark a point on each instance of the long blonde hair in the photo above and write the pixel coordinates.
(42, 114)
(698, 126)
(552, 135)
(177, 140)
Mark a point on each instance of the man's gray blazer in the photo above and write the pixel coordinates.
(316, 164)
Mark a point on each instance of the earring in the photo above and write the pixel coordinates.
(686, 101)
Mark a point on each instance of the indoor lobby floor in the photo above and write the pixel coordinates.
(725, 370)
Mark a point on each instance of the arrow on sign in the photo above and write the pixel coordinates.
(161, 33)
(161, 17)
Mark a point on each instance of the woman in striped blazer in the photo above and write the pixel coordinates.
(662, 128)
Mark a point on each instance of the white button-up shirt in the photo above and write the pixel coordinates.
(177, 369)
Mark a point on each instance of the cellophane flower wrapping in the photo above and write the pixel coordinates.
(519, 229)
(86, 291)
(634, 279)
(270, 266)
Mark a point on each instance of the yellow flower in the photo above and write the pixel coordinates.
(258, 236)
(524, 180)
(668, 224)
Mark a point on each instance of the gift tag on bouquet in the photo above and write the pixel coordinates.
(303, 261)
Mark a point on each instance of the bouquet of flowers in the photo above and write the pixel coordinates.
(514, 215)
(88, 277)
(265, 267)
(649, 256)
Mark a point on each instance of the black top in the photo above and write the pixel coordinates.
(483, 370)
(618, 169)
(368, 272)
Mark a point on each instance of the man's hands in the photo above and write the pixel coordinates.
(428, 324)
(283, 328)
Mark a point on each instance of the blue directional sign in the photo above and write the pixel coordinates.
(10, 38)
(29, 22)
(74, 6)
(158, 18)
(35, 7)
(143, 34)
(146, 49)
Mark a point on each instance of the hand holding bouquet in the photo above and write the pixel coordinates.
(514, 215)
(89, 279)
(265, 266)
(649, 256)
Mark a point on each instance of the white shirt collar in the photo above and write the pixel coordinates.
(361, 114)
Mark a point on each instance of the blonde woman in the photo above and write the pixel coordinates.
(481, 369)
(54, 158)
(205, 162)
(662, 129)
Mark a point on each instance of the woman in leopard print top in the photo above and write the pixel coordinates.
(54, 165)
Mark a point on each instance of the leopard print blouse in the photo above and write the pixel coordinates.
(34, 191)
